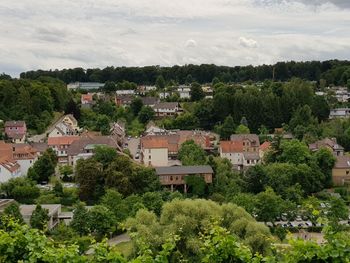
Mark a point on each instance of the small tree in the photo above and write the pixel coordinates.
(136, 105)
(39, 218)
(14, 212)
(80, 222)
(146, 114)
(160, 82)
(109, 87)
(196, 92)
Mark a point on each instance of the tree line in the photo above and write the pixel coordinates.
(332, 71)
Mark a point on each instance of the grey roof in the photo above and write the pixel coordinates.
(78, 146)
(166, 105)
(14, 123)
(251, 156)
(186, 170)
(147, 101)
(240, 137)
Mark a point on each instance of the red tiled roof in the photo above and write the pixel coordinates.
(9, 163)
(87, 97)
(265, 146)
(64, 140)
(155, 143)
(231, 146)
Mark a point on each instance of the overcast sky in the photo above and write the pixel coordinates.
(49, 34)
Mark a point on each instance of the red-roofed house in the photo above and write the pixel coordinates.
(9, 169)
(86, 100)
(154, 152)
(264, 148)
(60, 146)
(16, 131)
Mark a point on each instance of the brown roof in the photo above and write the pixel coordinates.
(155, 143)
(166, 105)
(147, 101)
(78, 145)
(231, 146)
(342, 162)
(5, 149)
(326, 142)
(63, 140)
(251, 137)
(9, 164)
(15, 124)
(39, 146)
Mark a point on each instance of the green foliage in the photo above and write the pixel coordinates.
(227, 128)
(146, 114)
(44, 167)
(39, 218)
(160, 82)
(13, 211)
(136, 105)
(196, 185)
(191, 154)
(241, 129)
(21, 189)
(196, 92)
(104, 154)
(109, 87)
(80, 222)
(101, 220)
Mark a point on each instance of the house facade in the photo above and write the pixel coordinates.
(339, 113)
(9, 168)
(123, 100)
(16, 131)
(60, 146)
(166, 109)
(175, 176)
(341, 171)
(329, 143)
(66, 126)
(154, 152)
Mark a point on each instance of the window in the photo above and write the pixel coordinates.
(171, 178)
(347, 172)
(149, 157)
(176, 178)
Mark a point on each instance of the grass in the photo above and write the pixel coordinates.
(125, 248)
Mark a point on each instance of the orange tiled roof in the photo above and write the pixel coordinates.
(64, 140)
(155, 143)
(265, 146)
(9, 163)
(87, 97)
(231, 146)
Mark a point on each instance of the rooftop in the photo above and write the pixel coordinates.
(231, 146)
(63, 140)
(185, 170)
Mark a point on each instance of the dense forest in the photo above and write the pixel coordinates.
(333, 72)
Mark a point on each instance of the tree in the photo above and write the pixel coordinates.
(228, 128)
(80, 221)
(104, 154)
(109, 87)
(268, 205)
(295, 152)
(146, 114)
(39, 217)
(241, 129)
(102, 220)
(196, 185)
(325, 160)
(136, 105)
(21, 189)
(160, 82)
(186, 121)
(13, 211)
(191, 154)
(103, 124)
(44, 167)
(196, 92)
(88, 175)
(338, 211)
(113, 200)
(153, 201)
(244, 121)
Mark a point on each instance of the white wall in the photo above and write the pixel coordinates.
(159, 157)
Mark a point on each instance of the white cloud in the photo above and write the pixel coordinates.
(248, 42)
(98, 33)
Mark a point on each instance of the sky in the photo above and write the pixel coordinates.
(52, 34)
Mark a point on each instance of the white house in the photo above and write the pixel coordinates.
(164, 109)
(184, 91)
(154, 152)
(66, 126)
(126, 92)
(339, 113)
(9, 168)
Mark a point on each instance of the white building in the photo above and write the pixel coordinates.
(9, 168)
(184, 91)
(154, 152)
(85, 85)
(126, 92)
(339, 113)
(164, 109)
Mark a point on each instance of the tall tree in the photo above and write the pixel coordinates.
(39, 218)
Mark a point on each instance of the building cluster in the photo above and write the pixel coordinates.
(65, 138)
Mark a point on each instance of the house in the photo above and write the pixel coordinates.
(154, 152)
(243, 150)
(265, 147)
(83, 147)
(144, 89)
(85, 85)
(342, 94)
(54, 211)
(149, 101)
(339, 113)
(60, 146)
(164, 109)
(41, 147)
(208, 91)
(184, 91)
(23, 154)
(250, 142)
(125, 92)
(118, 132)
(123, 100)
(16, 131)
(152, 129)
(341, 171)
(86, 100)
(174, 176)
(164, 94)
(329, 143)
(65, 126)
(9, 168)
